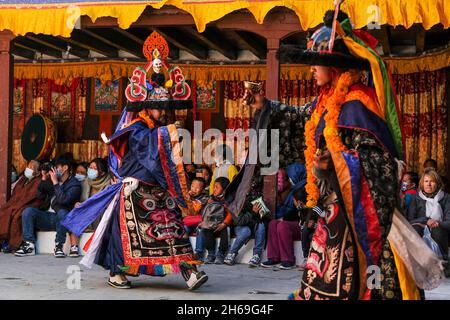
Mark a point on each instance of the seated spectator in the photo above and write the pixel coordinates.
(81, 171)
(432, 164)
(190, 170)
(286, 228)
(98, 178)
(67, 192)
(409, 187)
(205, 172)
(224, 165)
(431, 207)
(199, 197)
(24, 195)
(249, 223)
(215, 220)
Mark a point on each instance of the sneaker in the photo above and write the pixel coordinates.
(219, 259)
(270, 263)
(230, 259)
(255, 261)
(210, 259)
(287, 266)
(58, 252)
(26, 249)
(200, 256)
(118, 283)
(196, 280)
(74, 251)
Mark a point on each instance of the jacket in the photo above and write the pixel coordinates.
(416, 212)
(66, 194)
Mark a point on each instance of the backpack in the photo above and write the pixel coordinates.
(213, 214)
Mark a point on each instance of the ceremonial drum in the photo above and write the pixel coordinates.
(38, 138)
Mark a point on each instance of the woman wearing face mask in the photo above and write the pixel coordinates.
(430, 208)
(81, 171)
(97, 179)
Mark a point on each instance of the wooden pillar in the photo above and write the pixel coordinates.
(6, 108)
(272, 92)
(273, 69)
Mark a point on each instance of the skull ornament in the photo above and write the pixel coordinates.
(157, 65)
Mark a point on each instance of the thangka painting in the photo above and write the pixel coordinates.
(61, 105)
(106, 97)
(208, 96)
(19, 99)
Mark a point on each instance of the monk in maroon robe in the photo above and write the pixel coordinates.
(24, 194)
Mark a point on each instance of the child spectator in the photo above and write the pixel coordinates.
(199, 199)
(409, 187)
(215, 220)
(206, 173)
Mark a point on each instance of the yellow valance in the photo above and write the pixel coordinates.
(109, 70)
(60, 19)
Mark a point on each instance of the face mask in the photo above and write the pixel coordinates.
(59, 173)
(404, 186)
(28, 173)
(13, 176)
(80, 177)
(92, 174)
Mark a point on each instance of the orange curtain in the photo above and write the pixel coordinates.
(424, 116)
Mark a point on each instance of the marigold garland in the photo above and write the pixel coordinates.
(330, 100)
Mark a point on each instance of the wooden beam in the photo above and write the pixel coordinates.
(6, 114)
(130, 36)
(28, 44)
(420, 39)
(385, 39)
(58, 46)
(103, 36)
(84, 41)
(21, 52)
(248, 43)
(182, 43)
(214, 40)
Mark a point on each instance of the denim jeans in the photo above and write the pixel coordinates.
(199, 242)
(243, 233)
(34, 219)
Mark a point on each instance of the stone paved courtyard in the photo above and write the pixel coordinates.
(45, 277)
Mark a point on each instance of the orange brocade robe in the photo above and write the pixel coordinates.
(23, 196)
